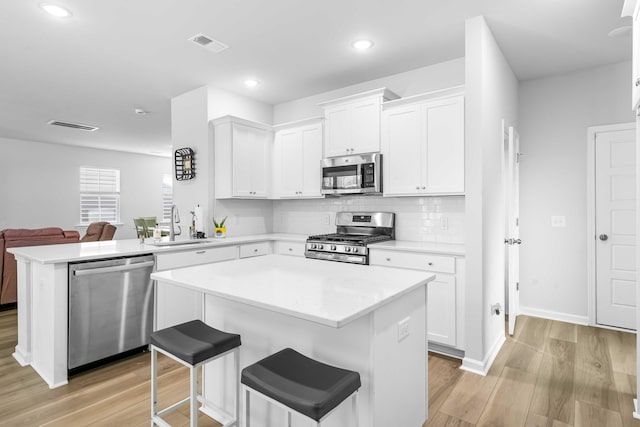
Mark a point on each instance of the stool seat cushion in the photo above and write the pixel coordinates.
(194, 341)
(300, 383)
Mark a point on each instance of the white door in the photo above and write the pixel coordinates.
(512, 226)
(615, 228)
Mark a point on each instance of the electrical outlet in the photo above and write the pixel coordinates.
(496, 309)
(558, 221)
(327, 219)
(403, 329)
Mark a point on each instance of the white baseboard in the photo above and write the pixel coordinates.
(482, 367)
(554, 315)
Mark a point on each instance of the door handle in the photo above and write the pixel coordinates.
(512, 241)
(603, 237)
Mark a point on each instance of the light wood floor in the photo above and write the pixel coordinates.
(550, 374)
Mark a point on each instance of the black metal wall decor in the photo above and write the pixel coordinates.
(185, 164)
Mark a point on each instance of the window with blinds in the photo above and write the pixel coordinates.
(167, 197)
(99, 195)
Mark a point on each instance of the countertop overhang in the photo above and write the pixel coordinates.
(329, 293)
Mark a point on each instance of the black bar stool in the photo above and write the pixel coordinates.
(193, 344)
(300, 385)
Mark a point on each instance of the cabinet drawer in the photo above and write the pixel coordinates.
(290, 248)
(201, 256)
(416, 261)
(255, 249)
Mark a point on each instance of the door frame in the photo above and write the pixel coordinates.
(592, 133)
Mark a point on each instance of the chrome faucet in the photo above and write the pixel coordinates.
(175, 219)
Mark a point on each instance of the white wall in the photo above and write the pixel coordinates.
(413, 82)
(491, 95)
(189, 128)
(422, 219)
(40, 184)
(554, 115)
(190, 115)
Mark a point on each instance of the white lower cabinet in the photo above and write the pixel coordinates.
(289, 248)
(255, 249)
(175, 304)
(444, 294)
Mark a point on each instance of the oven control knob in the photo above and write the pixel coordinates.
(320, 246)
(313, 246)
(347, 249)
(333, 247)
(354, 250)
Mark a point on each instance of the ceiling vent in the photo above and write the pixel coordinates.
(73, 125)
(209, 43)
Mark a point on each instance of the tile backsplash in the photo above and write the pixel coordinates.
(421, 219)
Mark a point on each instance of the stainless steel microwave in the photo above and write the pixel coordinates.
(355, 174)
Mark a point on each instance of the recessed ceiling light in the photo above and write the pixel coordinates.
(140, 112)
(251, 83)
(620, 31)
(55, 10)
(362, 44)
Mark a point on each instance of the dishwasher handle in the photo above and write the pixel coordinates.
(125, 267)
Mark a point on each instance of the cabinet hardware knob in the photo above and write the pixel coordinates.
(290, 249)
(603, 237)
(388, 259)
(417, 187)
(255, 250)
(200, 252)
(424, 188)
(429, 263)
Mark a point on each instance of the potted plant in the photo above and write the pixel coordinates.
(219, 229)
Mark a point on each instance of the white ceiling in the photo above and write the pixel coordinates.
(114, 56)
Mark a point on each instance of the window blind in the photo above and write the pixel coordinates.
(99, 195)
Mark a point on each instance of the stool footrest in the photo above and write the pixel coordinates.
(218, 414)
(173, 407)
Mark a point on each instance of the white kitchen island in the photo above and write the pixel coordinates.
(368, 319)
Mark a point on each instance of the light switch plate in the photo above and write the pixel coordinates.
(559, 221)
(403, 329)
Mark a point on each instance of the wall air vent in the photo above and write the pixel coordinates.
(73, 125)
(209, 43)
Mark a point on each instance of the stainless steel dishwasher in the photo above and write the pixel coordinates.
(110, 308)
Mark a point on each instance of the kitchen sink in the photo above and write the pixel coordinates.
(178, 242)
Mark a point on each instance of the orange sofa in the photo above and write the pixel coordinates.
(14, 238)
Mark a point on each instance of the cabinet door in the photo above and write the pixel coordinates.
(403, 151)
(365, 126)
(250, 157)
(291, 168)
(311, 172)
(441, 310)
(337, 131)
(445, 145)
(242, 158)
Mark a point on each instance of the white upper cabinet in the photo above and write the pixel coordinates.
(352, 123)
(297, 156)
(423, 144)
(242, 158)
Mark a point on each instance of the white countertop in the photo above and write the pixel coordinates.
(72, 252)
(427, 247)
(329, 293)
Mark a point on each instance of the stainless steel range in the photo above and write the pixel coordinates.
(355, 231)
